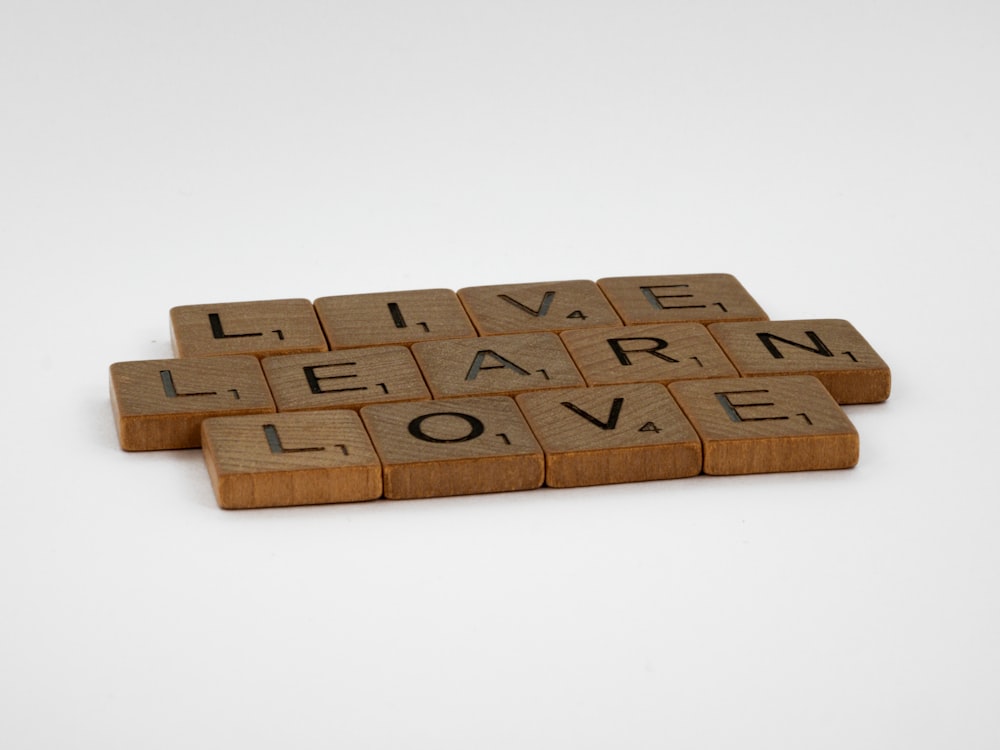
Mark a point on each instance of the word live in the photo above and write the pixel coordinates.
(429, 393)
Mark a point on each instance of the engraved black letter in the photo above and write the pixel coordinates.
(622, 354)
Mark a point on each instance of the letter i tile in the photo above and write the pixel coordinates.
(767, 424)
(459, 446)
(298, 458)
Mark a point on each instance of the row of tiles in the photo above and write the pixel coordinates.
(566, 437)
(158, 403)
(287, 326)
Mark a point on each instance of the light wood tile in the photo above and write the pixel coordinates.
(159, 404)
(344, 378)
(496, 365)
(701, 298)
(301, 458)
(403, 317)
(537, 306)
(263, 328)
(611, 434)
(829, 349)
(454, 447)
(767, 424)
(662, 353)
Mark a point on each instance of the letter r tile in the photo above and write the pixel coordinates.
(298, 458)
(659, 352)
(610, 434)
(767, 424)
(700, 298)
(831, 350)
(284, 326)
(353, 320)
(454, 447)
(537, 306)
(159, 404)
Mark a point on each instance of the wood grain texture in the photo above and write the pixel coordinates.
(345, 378)
(160, 404)
(831, 350)
(701, 298)
(655, 353)
(403, 317)
(299, 458)
(537, 306)
(454, 447)
(767, 424)
(263, 328)
(611, 434)
(496, 365)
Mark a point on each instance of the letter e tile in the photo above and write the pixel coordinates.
(159, 404)
(298, 458)
(767, 424)
(701, 298)
(610, 434)
(454, 447)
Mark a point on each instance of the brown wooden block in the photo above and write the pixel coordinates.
(757, 425)
(661, 352)
(454, 447)
(353, 320)
(538, 306)
(611, 434)
(283, 326)
(831, 350)
(496, 365)
(701, 298)
(159, 404)
(344, 378)
(301, 458)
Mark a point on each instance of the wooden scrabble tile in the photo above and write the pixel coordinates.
(344, 378)
(537, 306)
(353, 320)
(160, 404)
(496, 365)
(767, 424)
(284, 326)
(659, 352)
(300, 458)
(610, 434)
(454, 447)
(702, 298)
(831, 350)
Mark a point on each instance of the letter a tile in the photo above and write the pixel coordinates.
(831, 350)
(496, 365)
(454, 447)
(700, 298)
(300, 458)
(767, 424)
(283, 326)
(159, 404)
(610, 434)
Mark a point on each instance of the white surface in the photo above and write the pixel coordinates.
(840, 158)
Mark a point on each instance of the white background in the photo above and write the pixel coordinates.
(841, 159)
